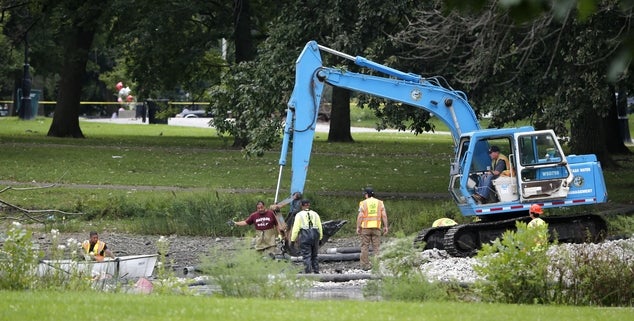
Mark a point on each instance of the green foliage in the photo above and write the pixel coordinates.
(594, 276)
(400, 276)
(244, 273)
(621, 225)
(244, 95)
(515, 267)
(191, 214)
(18, 259)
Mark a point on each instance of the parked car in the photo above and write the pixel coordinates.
(199, 113)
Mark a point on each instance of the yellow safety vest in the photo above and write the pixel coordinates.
(96, 249)
(371, 210)
(509, 168)
(445, 221)
(541, 240)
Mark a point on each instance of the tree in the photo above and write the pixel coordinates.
(357, 27)
(11, 61)
(168, 48)
(555, 72)
(80, 21)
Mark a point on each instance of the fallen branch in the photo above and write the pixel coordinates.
(30, 213)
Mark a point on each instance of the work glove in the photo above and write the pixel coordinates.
(231, 223)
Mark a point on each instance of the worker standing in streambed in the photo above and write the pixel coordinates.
(371, 214)
(308, 228)
(266, 228)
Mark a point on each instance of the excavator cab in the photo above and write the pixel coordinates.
(536, 169)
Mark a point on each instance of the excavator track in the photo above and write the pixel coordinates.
(466, 239)
(432, 237)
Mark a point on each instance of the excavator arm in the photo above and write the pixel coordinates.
(449, 105)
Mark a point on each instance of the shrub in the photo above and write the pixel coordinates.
(515, 267)
(517, 270)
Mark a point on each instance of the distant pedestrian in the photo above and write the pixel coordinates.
(308, 227)
(371, 214)
(266, 228)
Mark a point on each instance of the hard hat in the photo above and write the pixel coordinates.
(445, 221)
(537, 209)
(368, 190)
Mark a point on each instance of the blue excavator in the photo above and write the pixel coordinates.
(539, 173)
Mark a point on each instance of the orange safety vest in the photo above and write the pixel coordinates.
(371, 210)
(95, 250)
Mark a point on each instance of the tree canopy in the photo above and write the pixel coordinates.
(556, 63)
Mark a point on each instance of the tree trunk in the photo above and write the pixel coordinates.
(66, 115)
(588, 136)
(242, 31)
(244, 52)
(614, 125)
(340, 116)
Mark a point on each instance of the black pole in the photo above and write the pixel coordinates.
(25, 109)
(621, 108)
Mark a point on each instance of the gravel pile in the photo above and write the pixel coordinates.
(441, 267)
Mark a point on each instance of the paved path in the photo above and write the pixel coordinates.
(204, 122)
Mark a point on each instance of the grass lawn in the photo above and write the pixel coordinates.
(43, 306)
(139, 163)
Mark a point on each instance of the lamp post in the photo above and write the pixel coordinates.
(621, 109)
(25, 109)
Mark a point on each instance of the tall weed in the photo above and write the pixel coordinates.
(245, 273)
(594, 275)
(166, 280)
(400, 277)
(68, 275)
(18, 259)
